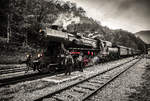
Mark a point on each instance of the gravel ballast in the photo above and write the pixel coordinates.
(128, 87)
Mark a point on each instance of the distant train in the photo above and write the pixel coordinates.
(58, 42)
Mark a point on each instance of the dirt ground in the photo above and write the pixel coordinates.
(142, 92)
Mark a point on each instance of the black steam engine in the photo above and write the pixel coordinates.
(92, 50)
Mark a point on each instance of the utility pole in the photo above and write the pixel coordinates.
(8, 28)
(26, 36)
(8, 23)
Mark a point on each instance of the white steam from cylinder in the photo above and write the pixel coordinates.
(65, 19)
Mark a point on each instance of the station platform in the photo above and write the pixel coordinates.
(61, 78)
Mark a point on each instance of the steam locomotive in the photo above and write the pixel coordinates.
(93, 50)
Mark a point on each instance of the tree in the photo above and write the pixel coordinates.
(4, 11)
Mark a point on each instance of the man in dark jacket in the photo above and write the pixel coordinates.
(80, 62)
(68, 63)
(28, 62)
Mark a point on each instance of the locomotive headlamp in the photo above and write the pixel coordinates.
(40, 30)
(39, 55)
(27, 55)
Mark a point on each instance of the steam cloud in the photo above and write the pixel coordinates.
(65, 19)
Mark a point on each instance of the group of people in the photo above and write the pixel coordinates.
(70, 63)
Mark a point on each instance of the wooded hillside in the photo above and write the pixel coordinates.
(24, 18)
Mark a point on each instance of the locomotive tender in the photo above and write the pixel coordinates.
(60, 42)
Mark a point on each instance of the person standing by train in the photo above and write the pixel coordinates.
(80, 62)
(69, 62)
(28, 62)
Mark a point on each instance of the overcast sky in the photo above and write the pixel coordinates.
(131, 15)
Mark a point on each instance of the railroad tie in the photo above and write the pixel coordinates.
(80, 90)
(75, 95)
(87, 86)
(93, 84)
(95, 81)
(60, 98)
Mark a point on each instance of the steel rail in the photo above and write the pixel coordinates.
(109, 81)
(21, 78)
(79, 82)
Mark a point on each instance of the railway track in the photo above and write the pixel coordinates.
(85, 88)
(16, 77)
(22, 78)
(11, 68)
